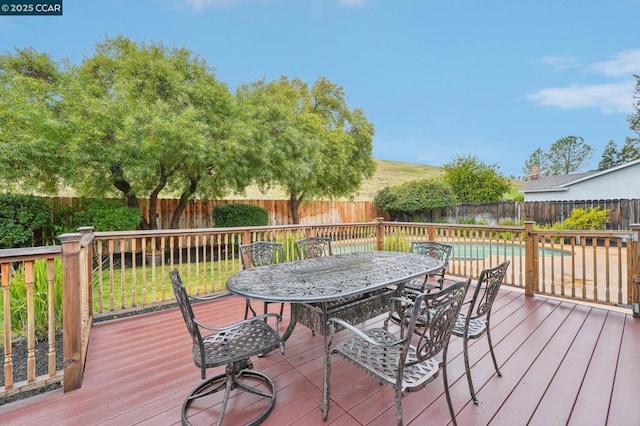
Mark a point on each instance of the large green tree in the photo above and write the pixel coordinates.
(630, 150)
(537, 158)
(568, 155)
(634, 117)
(610, 156)
(473, 181)
(146, 118)
(29, 126)
(311, 144)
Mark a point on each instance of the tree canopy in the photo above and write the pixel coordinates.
(612, 156)
(567, 155)
(634, 117)
(473, 181)
(142, 118)
(537, 158)
(29, 97)
(311, 143)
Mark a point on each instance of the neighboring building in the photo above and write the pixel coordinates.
(620, 182)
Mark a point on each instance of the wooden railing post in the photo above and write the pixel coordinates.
(87, 236)
(431, 232)
(633, 270)
(380, 234)
(71, 311)
(531, 259)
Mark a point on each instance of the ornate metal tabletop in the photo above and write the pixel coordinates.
(329, 278)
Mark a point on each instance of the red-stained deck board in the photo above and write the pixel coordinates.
(559, 361)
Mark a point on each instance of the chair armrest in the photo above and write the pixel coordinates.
(360, 334)
(212, 297)
(235, 324)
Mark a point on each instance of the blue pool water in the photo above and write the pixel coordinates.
(467, 250)
(480, 251)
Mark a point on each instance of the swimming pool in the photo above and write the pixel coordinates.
(468, 250)
(483, 250)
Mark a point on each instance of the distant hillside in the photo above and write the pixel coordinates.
(388, 173)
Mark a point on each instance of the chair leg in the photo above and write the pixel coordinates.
(398, 406)
(225, 399)
(445, 379)
(467, 368)
(247, 308)
(326, 385)
(493, 355)
(232, 379)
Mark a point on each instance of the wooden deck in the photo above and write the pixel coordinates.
(561, 363)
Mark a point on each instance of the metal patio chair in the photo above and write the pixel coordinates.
(437, 250)
(476, 321)
(260, 253)
(391, 357)
(311, 247)
(230, 345)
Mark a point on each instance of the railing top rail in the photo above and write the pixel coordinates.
(591, 234)
(195, 231)
(29, 253)
(456, 226)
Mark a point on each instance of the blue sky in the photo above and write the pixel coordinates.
(494, 78)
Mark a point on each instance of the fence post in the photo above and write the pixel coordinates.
(380, 234)
(531, 259)
(72, 311)
(633, 270)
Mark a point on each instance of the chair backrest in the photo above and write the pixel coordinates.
(486, 290)
(439, 251)
(187, 314)
(437, 313)
(261, 253)
(308, 248)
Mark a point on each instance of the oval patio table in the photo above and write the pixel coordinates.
(328, 279)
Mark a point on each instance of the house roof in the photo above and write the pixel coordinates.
(562, 182)
(551, 183)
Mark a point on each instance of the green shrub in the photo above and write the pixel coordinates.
(24, 221)
(62, 216)
(591, 218)
(415, 196)
(234, 215)
(18, 297)
(106, 215)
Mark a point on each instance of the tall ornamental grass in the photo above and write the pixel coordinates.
(18, 295)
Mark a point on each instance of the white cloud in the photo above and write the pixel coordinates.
(609, 98)
(624, 63)
(615, 96)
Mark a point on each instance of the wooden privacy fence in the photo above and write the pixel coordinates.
(198, 213)
(622, 213)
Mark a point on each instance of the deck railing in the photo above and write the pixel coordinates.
(107, 273)
(38, 298)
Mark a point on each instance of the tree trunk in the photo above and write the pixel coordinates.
(295, 203)
(184, 199)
